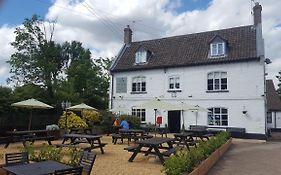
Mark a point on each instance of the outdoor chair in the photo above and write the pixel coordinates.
(70, 171)
(16, 158)
(87, 162)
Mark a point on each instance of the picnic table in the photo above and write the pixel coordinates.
(201, 133)
(135, 134)
(185, 138)
(153, 145)
(38, 168)
(93, 140)
(31, 135)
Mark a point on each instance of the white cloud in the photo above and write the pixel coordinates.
(99, 24)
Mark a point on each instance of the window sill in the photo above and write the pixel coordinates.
(174, 90)
(208, 91)
(139, 92)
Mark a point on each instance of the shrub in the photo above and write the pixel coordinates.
(185, 161)
(91, 117)
(49, 152)
(73, 120)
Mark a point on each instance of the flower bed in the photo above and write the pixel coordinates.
(198, 160)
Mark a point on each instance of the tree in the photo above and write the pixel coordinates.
(38, 60)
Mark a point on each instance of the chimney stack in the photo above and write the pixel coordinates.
(257, 13)
(127, 35)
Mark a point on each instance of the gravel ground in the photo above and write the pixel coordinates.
(113, 162)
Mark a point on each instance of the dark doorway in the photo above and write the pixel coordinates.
(174, 121)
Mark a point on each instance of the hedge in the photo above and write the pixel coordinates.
(186, 161)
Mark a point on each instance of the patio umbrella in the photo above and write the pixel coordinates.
(119, 110)
(81, 107)
(197, 109)
(155, 104)
(31, 104)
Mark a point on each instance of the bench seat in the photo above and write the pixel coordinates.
(169, 152)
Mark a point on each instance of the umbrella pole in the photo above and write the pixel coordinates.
(155, 121)
(30, 118)
(183, 127)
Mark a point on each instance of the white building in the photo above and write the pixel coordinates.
(222, 70)
(273, 106)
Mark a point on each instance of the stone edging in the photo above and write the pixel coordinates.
(208, 163)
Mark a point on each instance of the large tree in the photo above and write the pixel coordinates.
(37, 59)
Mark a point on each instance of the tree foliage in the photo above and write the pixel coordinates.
(56, 71)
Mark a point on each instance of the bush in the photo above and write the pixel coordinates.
(185, 161)
(91, 117)
(73, 120)
(49, 152)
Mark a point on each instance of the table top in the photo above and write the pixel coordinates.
(26, 132)
(38, 168)
(87, 136)
(156, 141)
(131, 130)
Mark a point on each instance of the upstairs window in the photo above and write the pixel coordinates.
(138, 84)
(217, 49)
(174, 83)
(141, 57)
(217, 81)
(218, 116)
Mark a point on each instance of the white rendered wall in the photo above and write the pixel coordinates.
(245, 85)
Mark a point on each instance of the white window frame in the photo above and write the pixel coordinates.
(141, 57)
(176, 82)
(141, 113)
(218, 79)
(217, 118)
(217, 49)
(140, 83)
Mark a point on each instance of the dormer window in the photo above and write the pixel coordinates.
(217, 47)
(141, 56)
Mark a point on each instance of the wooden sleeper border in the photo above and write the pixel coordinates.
(208, 163)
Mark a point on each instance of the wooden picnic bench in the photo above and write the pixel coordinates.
(31, 136)
(93, 140)
(154, 145)
(130, 134)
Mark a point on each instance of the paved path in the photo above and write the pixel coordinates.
(250, 159)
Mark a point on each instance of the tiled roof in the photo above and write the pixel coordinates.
(273, 100)
(192, 49)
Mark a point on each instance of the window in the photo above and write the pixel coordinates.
(139, 84)
(269, 117)
(217, 81)
(141, 57)
(140, 113)
(218, 116)
(217, 49)
(174, 82)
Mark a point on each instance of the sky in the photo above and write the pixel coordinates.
(99, 24)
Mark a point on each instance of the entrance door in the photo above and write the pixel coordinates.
(174, 121)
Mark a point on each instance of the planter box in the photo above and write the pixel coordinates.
(208, 163)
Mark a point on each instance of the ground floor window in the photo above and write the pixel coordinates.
(269, 117)
(140, 113)
(218, 116)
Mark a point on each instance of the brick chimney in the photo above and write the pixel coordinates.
(128, 35)
(257, 13)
